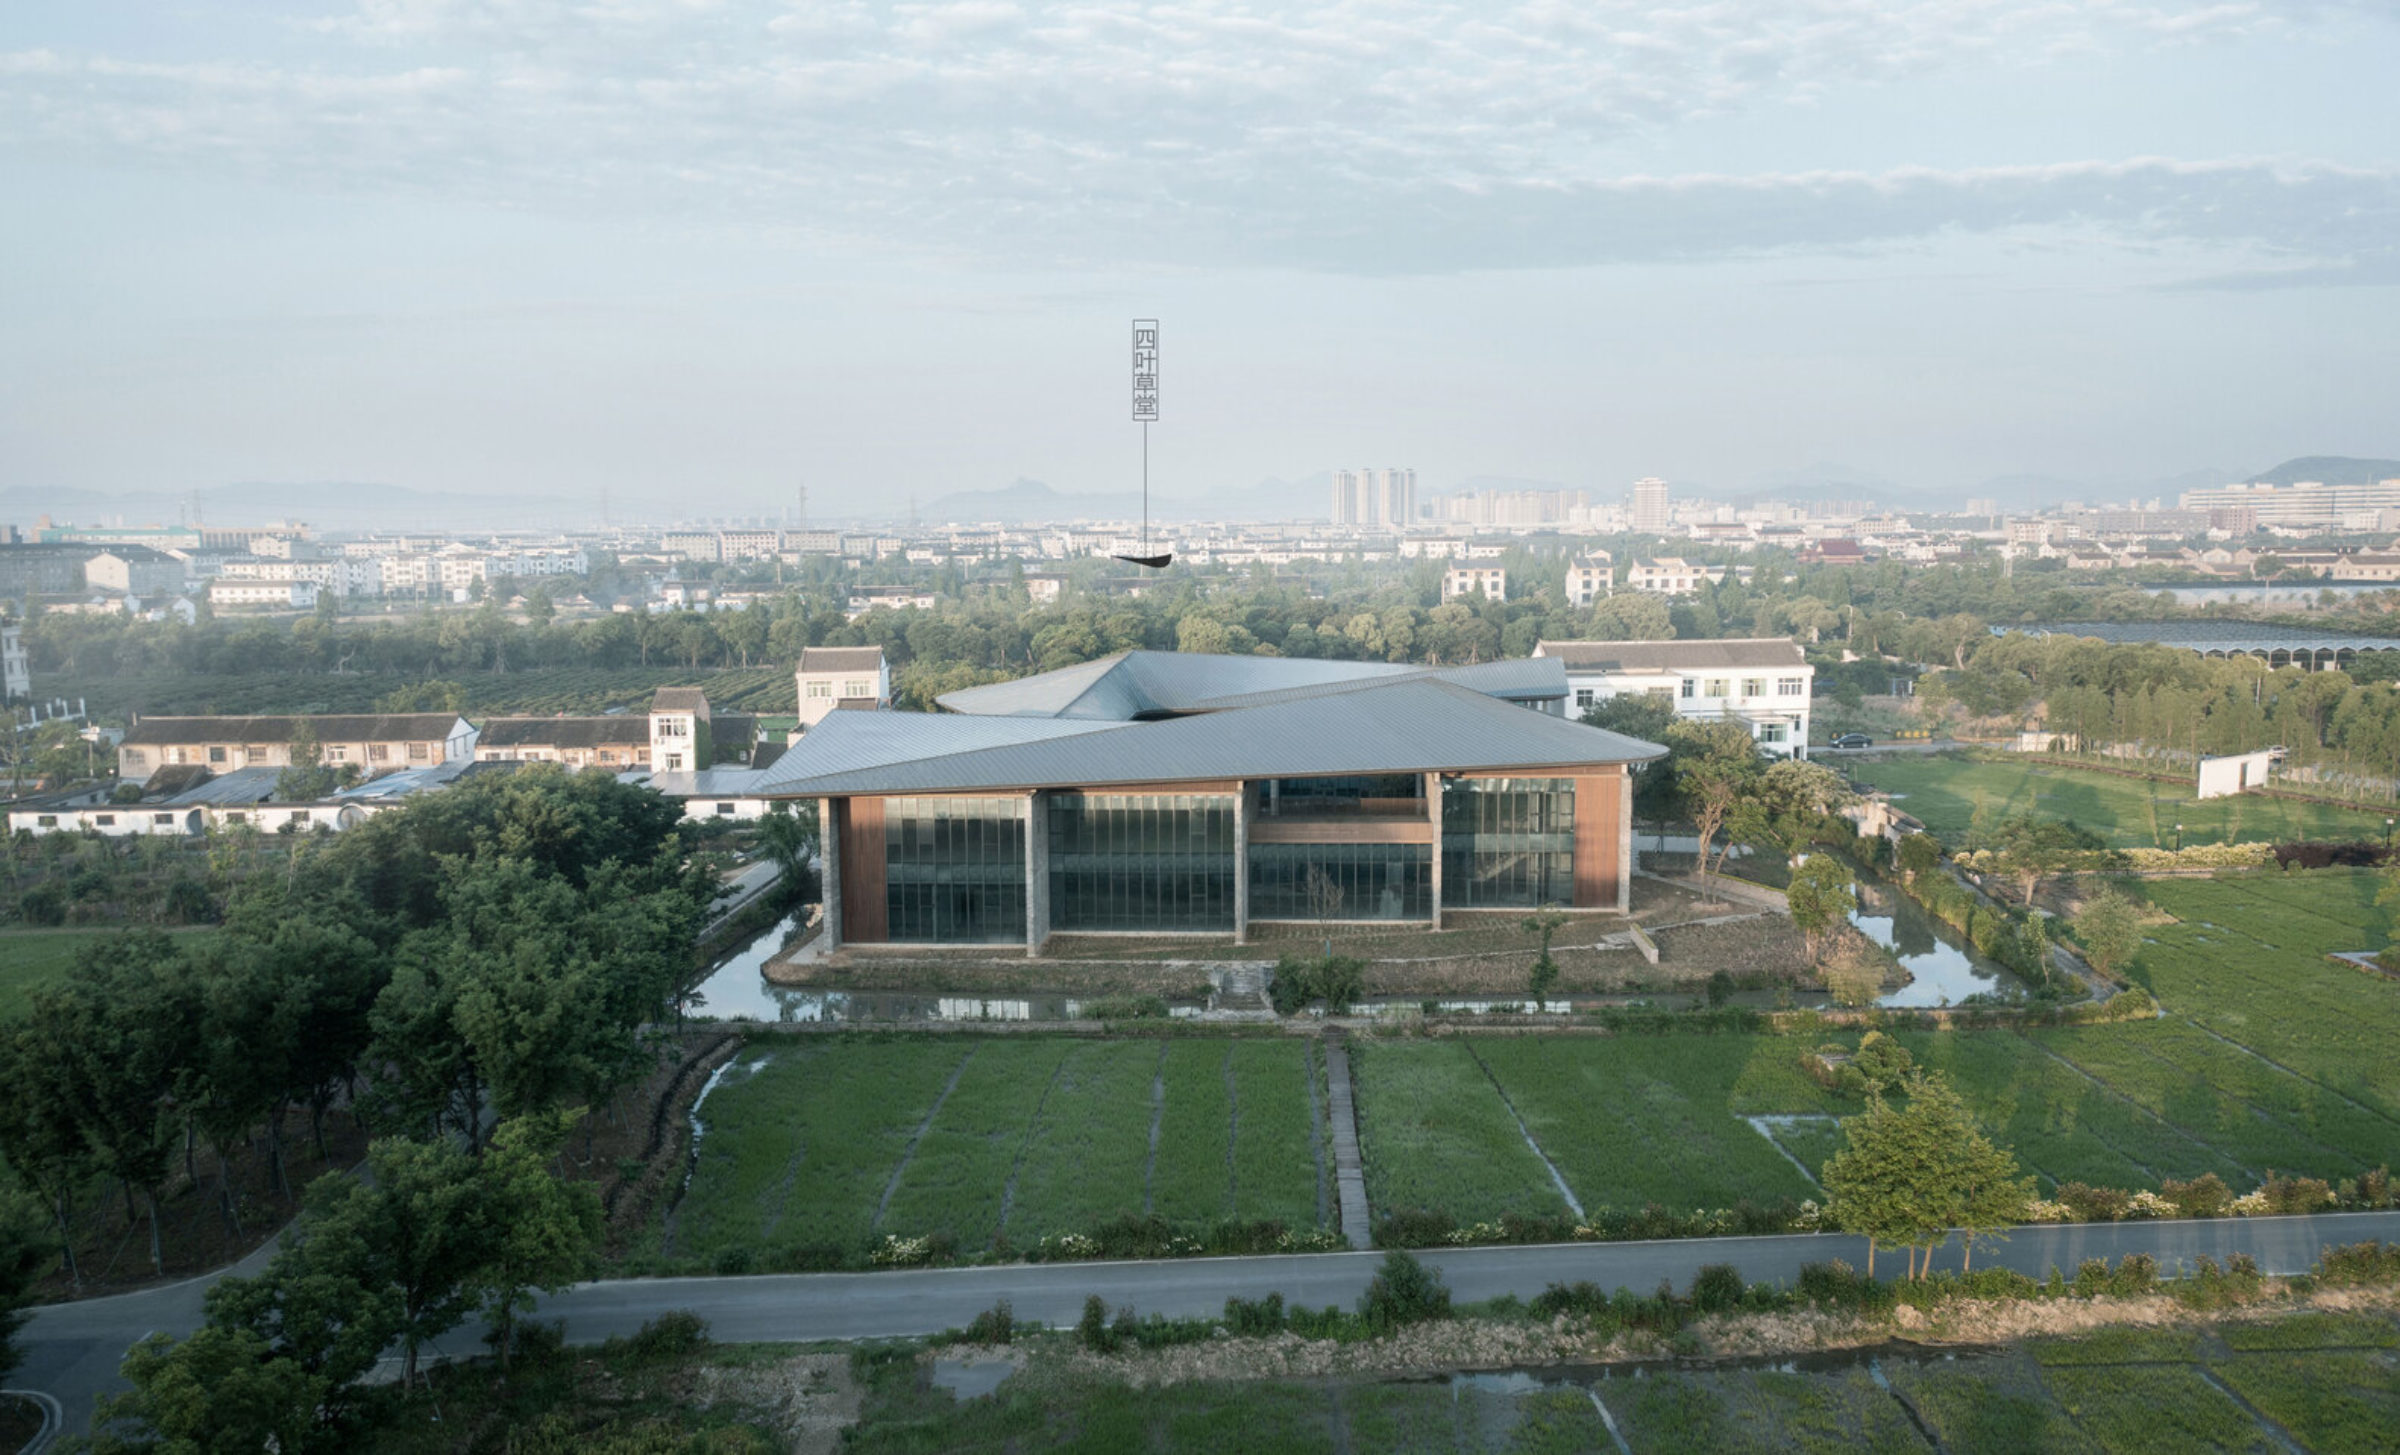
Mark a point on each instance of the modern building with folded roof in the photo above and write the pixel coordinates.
(1187, 794)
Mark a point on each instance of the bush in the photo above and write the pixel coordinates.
(1336, 981)
(2288, 1195)
(2356, 1263)
(1837, 1285)
(1126, 1008)
(995, 1325)
(1092, 1331)
(2094, 1204)
(1404, 1291)
(2205, 1196)
(1414, 1227)
(1717, 1288)
(1881, 1060)
(43, 904)
(1253, 1317)
(675, 1334)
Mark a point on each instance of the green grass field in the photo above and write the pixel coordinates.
(839, 1142)
(1944, 793)
(30, 959)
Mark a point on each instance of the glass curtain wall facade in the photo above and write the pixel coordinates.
(954, 870)
(1507, 842)
(1141, 861)
(1341, 881)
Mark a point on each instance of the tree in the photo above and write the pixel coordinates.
(547, 1229)
(415, 1237)
(1788, 807)
(788, 835)
(1640, 715)
(1918, 854)
(1908, 1175)
(1545, 970)
(25, 1249)
(1711, 765)
(220, 1392)
(2109, 930)
(307, 778)
(2030, 848)
(1822, 899)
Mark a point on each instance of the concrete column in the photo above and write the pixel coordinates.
(1037, 873)
(1624, 840)
(1433, 806)
(1241, 865)
(829, 845)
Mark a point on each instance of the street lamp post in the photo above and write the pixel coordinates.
(2179, 838)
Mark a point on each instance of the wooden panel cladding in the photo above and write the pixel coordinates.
(865, 915)
(1359, 830)
(1599, 841)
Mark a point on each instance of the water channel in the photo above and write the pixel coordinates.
(1946, 970)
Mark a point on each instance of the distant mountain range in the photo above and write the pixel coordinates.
(332, 505)
(2330, 470)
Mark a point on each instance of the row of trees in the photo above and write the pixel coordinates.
(491, 951)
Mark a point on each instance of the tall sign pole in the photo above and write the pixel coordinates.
(1145, 413)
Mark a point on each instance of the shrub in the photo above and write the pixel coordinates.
(675, 1334)
(1882, 1060)
(43, 904)
(1126, 1008)
(2205, 1196)
(187, 902)
(2355, 1263)
(1404, 1291)
(2136, 1273)
(732, 1261)
(2287, 1195)
(1092, 1330)
(2091, 1278)
(995, 1325)
(2093, 1204)
(1414, 1227)
(1717, 1288)
(1254, 1317)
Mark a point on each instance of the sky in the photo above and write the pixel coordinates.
(697, 255)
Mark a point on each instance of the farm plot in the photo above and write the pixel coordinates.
(1434, 1134)
(1635, 1120)
(798, 1143)
(1946, 794)
(1761, 1410)
(842, 1142)
(2134, 1409)
(1989, 1403)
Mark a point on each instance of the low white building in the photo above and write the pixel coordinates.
(286, 594)
(1764, 683)
(1460, 581)
(1670, 576)
(831, 677)
(1590, 577)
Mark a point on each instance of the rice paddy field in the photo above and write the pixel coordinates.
(2270, 1059)
(841, 1141)
(1945, 793)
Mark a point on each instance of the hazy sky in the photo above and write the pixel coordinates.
(701, 252)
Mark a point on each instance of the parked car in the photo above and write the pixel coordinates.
(1854, 740)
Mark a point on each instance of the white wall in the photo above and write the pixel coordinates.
(2226, 776)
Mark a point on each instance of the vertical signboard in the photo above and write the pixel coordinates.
(1145, 370)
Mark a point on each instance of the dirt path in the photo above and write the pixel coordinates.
(1348, 1171)
(909, 1152)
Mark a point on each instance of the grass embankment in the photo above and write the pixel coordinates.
(31, 959)
(1945, 793)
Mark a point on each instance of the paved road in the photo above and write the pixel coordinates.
(72, 1349)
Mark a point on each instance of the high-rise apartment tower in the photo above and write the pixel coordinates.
(1650, 516)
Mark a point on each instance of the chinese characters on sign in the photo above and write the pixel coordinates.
(1145, 369)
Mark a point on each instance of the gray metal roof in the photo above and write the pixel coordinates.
(2215, 636)
(1134, 684)
(1416, 725)
(242, 785)
(851, 741)
(1700, 654)
(1513, 679)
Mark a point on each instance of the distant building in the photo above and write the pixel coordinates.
(1649, 514)
(16, 671)
(1764, 683)
(619, 741)
(1045, 589)
(135, 571)
(285, 594)
(1460, 581)
(375, 742)
(693, 545)
(1589, 577)
(1670, 576)
(1374, 497)
(889, 598)
(680, 736)
(831, 677)
(2303, 502)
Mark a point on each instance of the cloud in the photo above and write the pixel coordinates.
(1362, 135)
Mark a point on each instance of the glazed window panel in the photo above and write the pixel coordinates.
(1508, 842)
(1341, 881)
(1141, 861)
(954, 870)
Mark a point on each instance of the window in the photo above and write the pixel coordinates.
(858, 689)
(132, 758)
(1141, 861)
(724, 810)
(337, 752)
(379, 752)
(1585, 697)
(417, 752)
(954, 870)
(1341, 881)
(1754, 687)
(674, 727)
(820, 689)
(674, 762)
(46, 820)
(104, 820)
(258, 752)
(1772, 732)
(237, 818)
(1691, 688)
(1508, 842)
(1791, 686)
(1717, 687)
(162, 818)
(216, 755)
(183, 755)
